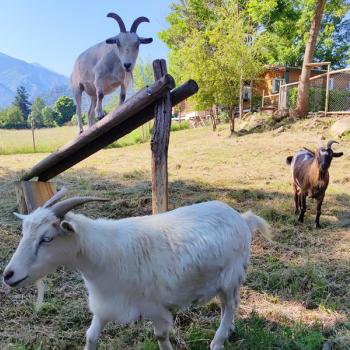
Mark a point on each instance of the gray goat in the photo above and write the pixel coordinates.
(104, 67)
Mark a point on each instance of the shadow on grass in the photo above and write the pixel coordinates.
(130, 193)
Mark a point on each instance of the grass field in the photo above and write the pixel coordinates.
(296, 296)
(48, 140)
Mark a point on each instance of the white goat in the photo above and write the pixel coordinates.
(102, 68)
(141, 266)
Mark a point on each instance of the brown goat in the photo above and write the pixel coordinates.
(311, 177)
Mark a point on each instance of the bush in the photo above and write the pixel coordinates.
(338, 99)
(74, 119)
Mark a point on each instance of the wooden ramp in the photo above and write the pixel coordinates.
(118, 123)
(136, 111)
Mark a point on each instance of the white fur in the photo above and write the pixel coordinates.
(144, 266)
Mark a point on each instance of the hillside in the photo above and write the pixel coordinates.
(296, 295)
(38, 80)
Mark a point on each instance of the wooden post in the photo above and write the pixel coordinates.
(262, 100)
(241, 83)
(159, 145)
(251, 97)
(32, 124)
(33, 194)
(327, 91)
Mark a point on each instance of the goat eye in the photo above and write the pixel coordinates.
(46, 240)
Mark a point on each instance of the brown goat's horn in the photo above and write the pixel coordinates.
(55, 198)
(136, 23)
(119, 20)
(62, 208)
(330, 143)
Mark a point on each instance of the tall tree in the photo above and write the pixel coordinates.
(304, 85)
(65, 108)
(211, 42)
(36, 112)
(22, 101)
(143, 73)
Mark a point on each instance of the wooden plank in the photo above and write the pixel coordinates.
(160, 144)
(317, 64)
(33, 194)
(131, 106)
(46, 173)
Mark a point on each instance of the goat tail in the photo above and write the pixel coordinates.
(289, 160)
(256, 223)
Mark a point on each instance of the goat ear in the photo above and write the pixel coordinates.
(112, 40)
(19, 216)
(67, 226)
(145, 40)
(337, 154)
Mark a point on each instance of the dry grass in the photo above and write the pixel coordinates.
(297, 291)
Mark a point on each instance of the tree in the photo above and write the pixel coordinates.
(12, 117)
(65, 109)
(283, 30)
(304, 85)
(211, 42)
(36, 112)
(143, 74)
(49, 117)
(22, 101)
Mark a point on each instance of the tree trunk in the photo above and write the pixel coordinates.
(241, 95)
(304, 84)
(232, 120)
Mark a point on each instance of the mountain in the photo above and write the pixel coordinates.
(38, 81)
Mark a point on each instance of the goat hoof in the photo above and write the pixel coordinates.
(317, 226)
(100, 117)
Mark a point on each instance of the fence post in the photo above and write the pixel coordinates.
(159, 145)
(32, 124)
(327, 91)
(262, 101)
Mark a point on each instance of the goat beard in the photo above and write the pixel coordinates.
(128, 79)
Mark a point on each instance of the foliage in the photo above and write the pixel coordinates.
(65, 109)
(143, 74)
(284, 28)
(12, 117)
(22, 101)
(49, 117)
(211, 43)
(338, 99)
(35, 115)
(84, 117)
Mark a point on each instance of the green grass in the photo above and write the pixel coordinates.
(49, 140)
(296, 295)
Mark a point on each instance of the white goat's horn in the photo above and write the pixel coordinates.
(55, 198)
(62, 208)
(136, 23)
(119, 20)
(330, 143)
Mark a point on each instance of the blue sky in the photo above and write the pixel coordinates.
(54, 33)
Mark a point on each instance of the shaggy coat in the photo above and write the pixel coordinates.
(143, 266)
(311, 177)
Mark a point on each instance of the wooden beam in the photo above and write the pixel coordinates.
(318, 64)
(47, 171)
(33, 194)
(131, 106)
(160, 144)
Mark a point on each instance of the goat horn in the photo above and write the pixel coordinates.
(119, 20)
(56, 197)
(330, 143)
(136, 23)
(62, 208)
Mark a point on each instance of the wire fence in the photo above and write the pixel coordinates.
(332, 97)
